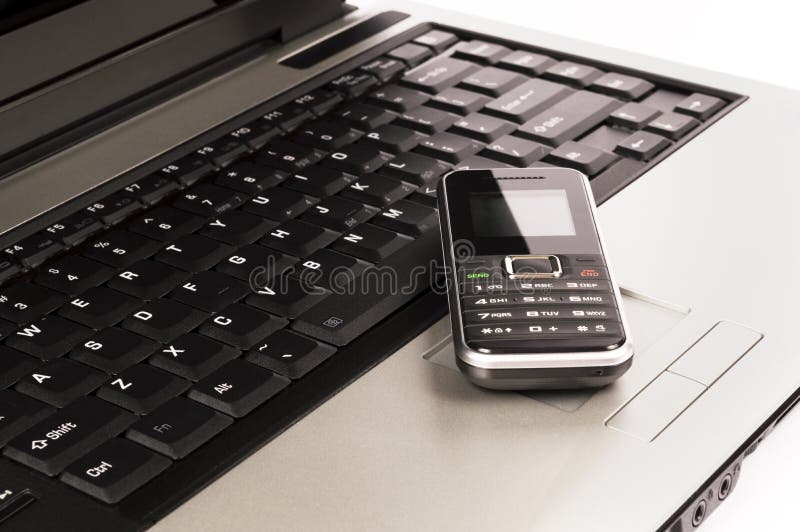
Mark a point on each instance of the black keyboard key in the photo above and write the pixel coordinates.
(605, 138)
(476, 162)
(74, 229)
(189, 169)
(411, 54)
(289, 156)
(48, 338)
(73, 274)
(319, 101)
(249, 177)
(241, 326)
(227, 148)
(384, 68)
(327, 135)
(60, 381)
(298, 238)
(18, 412)
(408, 218)
(364, 116)
(33, 250)
(120, 248)
(289, 116)
(426, 119)
(279, 204)
(210, 291)
(164, 319)
(253, 139)
(415, 168)
(142, 388)
(573, 74)
(622, 86)
(449, 146)
(8, 270)
(319, 181)
(114, 208)
(194, 253)
(353, 84)
(633, 115)
(13, 366)
(370, 243)
(61, 438)
(672, 125)
(581, 157)
(492, 81)
(290, 354)
(113, 349)
(237, 227)
(425, 195)
(114, 470)
(439, 73)
(482, 127)
(99, 307)
(147, 279)
(209, 200)
(165, 223)
(514, 150)
(458, 101)
(642, 146)
(254, 260)
(329, 269)
(6, 328)
(481, 51)
(525, 101)
(341, 318)
(437, 39)
(393, 139)
(338, 213)
(193, 356)
(359, 158)
(398, 98)
(528, 63)
(286, 296)
(151, 189)
(376, 189)
(178, 427)
(700, 106)
(569, 118)
(237, 388)
(24, 302)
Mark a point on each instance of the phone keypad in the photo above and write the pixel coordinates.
(577, 309)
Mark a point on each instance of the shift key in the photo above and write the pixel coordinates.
(58, 440)
(569, 118)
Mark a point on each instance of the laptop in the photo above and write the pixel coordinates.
(181, 181)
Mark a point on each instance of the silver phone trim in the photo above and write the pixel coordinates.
(573, 359)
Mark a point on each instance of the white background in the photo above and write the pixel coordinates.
(759, 40)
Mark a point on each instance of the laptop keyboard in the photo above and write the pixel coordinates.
(141, 327)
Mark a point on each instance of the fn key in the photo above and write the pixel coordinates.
(178, 427)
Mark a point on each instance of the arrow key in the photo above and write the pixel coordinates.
(642, 146)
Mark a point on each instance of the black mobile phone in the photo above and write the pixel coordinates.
(533, 302)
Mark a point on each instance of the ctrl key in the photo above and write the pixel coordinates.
(57, 440)
(178, 427)
(114, 470)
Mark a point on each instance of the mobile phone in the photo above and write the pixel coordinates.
(533, 303)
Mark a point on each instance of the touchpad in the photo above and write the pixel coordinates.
(648, 319)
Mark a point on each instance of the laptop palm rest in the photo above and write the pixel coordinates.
(648, 318)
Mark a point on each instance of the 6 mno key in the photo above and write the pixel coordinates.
(532, 300)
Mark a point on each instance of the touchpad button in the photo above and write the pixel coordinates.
(715, 352)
